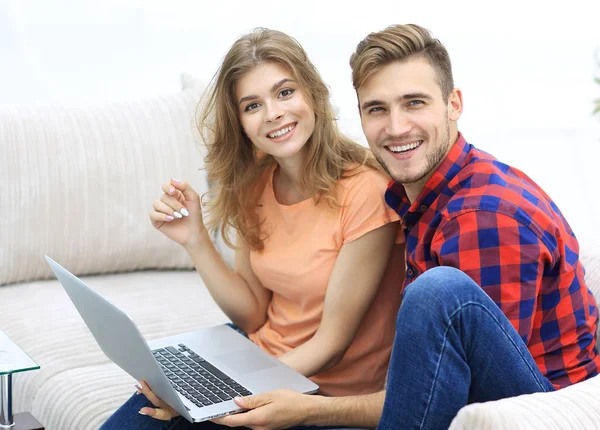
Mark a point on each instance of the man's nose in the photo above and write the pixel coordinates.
(398, 124)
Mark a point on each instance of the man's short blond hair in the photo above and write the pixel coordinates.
(401, 43)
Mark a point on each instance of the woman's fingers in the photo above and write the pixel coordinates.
(172, 207)
(158, 218)
(163, 208)
(170, 190)
(185, 188)
(178, 201)
(144, 389)
(162, 410)
(157, 413)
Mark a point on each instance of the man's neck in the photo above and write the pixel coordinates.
(414, 189)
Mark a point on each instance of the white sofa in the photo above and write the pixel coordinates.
(77, 185)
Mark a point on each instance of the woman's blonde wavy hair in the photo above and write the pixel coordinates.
(233, 164)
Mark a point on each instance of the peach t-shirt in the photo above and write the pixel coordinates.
(302, 244)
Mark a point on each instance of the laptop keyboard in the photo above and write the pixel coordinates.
(195, 378)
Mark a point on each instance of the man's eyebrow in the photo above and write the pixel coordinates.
(273, 88)
(370, 103)
(409, 96)
(412, 96)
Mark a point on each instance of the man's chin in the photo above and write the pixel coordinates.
(406, 179)
(399, 176)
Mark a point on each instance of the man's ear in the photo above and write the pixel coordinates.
(358, 104)
(455, 104)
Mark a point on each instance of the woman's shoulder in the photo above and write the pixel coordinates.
(361, 175)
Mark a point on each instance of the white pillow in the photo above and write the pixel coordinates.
(77, 184)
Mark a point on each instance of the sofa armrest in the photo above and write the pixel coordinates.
(574, 407)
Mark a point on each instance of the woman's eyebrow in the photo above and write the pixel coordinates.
(273, 88)
(280, 83)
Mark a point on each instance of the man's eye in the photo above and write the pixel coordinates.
(415, 102)
(251, 106)
(375, 109)
(286, 93)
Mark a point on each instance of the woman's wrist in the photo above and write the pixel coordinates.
(198, 243)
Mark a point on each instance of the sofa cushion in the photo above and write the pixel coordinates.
(572, 408)
(79, 183)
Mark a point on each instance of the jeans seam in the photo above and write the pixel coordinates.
(449, 325)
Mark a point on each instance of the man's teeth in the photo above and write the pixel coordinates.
(281, 132)
(402, 148)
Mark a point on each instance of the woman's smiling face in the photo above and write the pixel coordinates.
(273, 111)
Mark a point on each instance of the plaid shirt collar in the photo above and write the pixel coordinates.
(454, 162)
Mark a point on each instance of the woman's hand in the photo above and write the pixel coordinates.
(177, 214)
(162, 411)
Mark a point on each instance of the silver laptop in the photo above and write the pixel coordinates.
(197, 373)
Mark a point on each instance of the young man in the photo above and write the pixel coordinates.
(494, 303)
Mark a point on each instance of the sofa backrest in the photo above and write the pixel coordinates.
(78, 184)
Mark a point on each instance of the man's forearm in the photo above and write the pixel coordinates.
(356, 411)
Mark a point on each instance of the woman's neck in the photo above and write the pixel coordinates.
(287, 182)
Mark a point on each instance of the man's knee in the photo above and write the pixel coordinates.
(443, 283)
(436, 293)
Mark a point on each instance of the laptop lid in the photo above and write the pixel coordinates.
(118, 337)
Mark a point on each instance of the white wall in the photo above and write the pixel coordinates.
(526, 67)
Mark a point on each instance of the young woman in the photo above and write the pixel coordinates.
(313, 233)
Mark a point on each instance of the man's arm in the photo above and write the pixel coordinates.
(502, 255)
(284, 408)
(356, 411)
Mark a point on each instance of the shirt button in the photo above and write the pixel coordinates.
(410, 272)
(423, 208)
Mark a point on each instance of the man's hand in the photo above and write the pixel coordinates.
(278, 409)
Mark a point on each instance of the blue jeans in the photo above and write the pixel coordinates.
(453, 346)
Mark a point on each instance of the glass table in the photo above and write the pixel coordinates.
(13, 360)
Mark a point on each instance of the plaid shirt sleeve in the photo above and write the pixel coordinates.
(506, 258)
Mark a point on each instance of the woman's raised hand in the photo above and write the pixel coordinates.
(177, 214)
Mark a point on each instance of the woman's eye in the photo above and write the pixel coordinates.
(251, 106)
(286, 93)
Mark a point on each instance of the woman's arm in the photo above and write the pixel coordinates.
(354, 282)
(238, 293)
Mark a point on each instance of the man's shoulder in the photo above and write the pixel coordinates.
(487, 184)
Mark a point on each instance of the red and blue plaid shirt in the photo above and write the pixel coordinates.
(495, 224)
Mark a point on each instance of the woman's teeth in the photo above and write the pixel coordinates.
(403, 148)
(281, 132)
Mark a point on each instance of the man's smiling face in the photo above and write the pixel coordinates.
(409, 126)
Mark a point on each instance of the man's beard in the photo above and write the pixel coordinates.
(433, 160)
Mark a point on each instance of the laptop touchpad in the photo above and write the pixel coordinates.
(247, 361)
